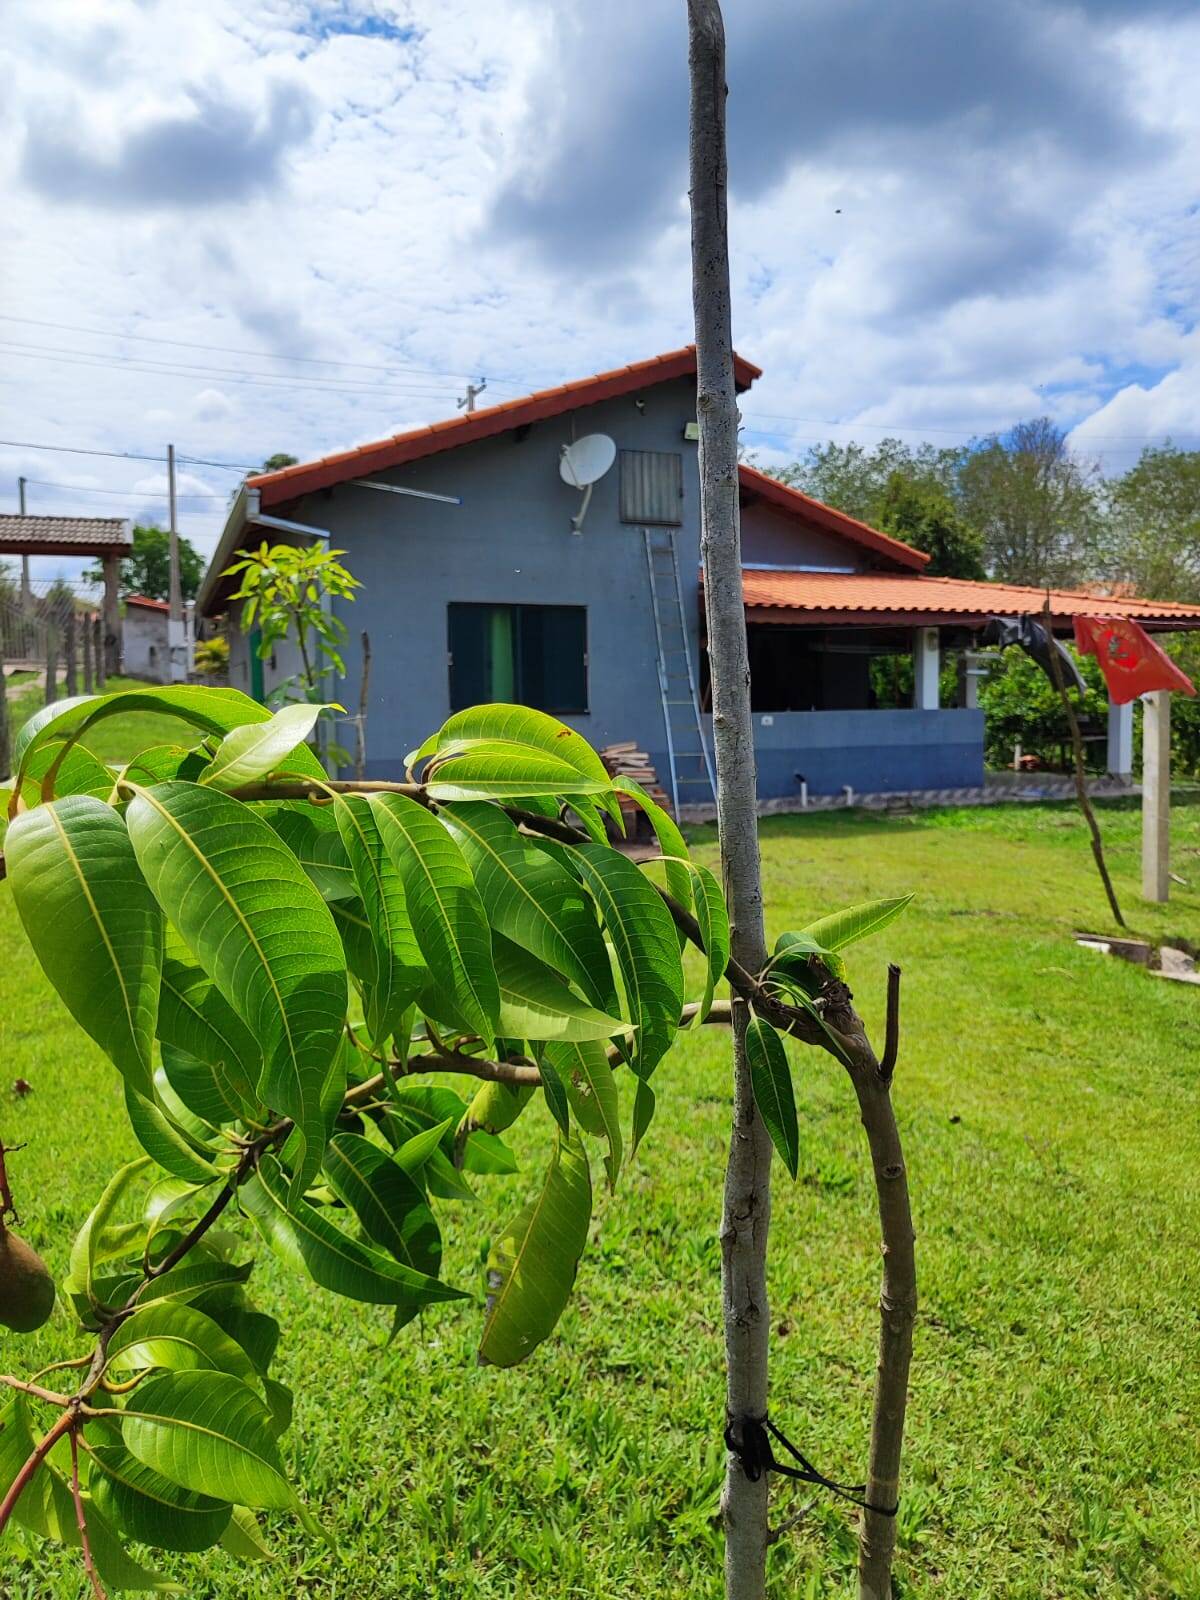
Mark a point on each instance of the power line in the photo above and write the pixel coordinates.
(129, 494)
(124, 455)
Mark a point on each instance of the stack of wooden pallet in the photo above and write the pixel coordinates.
(625, 760)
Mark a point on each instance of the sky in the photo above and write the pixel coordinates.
(302, 224)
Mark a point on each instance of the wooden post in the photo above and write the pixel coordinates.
(112, 614)
(87, 635)
(97, 626)
(1156, 796)
(51, 662)
(746, 1213)
(71, 651)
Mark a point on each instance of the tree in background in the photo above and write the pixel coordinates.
(1035, 503)
(1021, 705)
(148, 570)
(279, 460)
(284, 587)
(922, 514)
(1152, 525)
(855, 479)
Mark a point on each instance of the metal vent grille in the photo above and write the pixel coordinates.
(652, 487)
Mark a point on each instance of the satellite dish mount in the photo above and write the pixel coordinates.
(582, 464)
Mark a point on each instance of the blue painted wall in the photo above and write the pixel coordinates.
(873, 751)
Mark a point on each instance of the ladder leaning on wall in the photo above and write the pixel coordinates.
(691, 779)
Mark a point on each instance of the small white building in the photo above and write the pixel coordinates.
(146, 652)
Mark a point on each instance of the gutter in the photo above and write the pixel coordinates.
(245, 512)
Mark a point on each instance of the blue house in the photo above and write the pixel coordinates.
(481, 580)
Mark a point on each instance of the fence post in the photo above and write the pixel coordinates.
(97, 626)
(51, 663)
(86, 651)
(71, 652)
(5, 735)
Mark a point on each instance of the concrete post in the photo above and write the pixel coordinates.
(1120, 740)
(112, 614)
(1156, 796)
(97, 626)
(926, 665)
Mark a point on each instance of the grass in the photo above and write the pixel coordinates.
(1048, 1102)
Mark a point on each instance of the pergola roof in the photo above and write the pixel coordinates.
(64, 536)
(882, 598)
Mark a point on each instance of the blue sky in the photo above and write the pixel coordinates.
(946, 216)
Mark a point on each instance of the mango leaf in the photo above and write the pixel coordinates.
(644, 1102)
(259, 929)
(413, 1152)
(519, 725)
(713, 920)
(771, 1079)
(243, 1538)
(256, 749)
(358, 940)
(319, 850)
(169, 1334)
(79, 772)
(670, 840)
(643, 938)
(93, 923)
(535, 1003)
(163, 1141)
(391, 1208)
(506, 772)
(195, 1018)
(144, 1506)
(88, 1247)
(592, 1087)
(444, 908)
(841, 928)
(532, 1265)
(400, 971)
(309, 1242)
(208, 1432)
(555, 1092)
(532, 899)
(195, 1280)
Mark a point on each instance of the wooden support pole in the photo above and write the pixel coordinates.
(5, 731)
(87, 637)
(1156, 796)
(51, 662)
(71, 650)
(97, 626)
(112, 614)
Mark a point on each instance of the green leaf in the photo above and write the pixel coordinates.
(713, 920)
(644, 1102)
(400, 971)
(93, 923)
(144, 1506)
(88, 1247)
(555, 1092)
(195, 1018)
(254, 750)
(532, 899)
(194, 1279)
(414, 1152)
(259, 929)
(163, 1142)
(592, 1087)
(319, 850)
(841, 928)
(495, 1107)
(506, 772)
(772, 1082)
(309, 1242)
(647, 951)
(445, 910)
(532, 1265)
(169, 1334)
(520, 725)
(79, 772)
(535, 1003)
(243, 1539)
(670, 841)
(208, 1432)
(392, 1209)
(358, 941)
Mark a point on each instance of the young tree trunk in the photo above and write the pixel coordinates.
(747, 1201)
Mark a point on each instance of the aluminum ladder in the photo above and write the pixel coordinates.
(691, 770)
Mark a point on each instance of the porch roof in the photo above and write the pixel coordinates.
(864, 599)
(64, 536)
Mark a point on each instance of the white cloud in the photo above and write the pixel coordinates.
(462, 188)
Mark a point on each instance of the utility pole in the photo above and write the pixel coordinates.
(175, 592)
(26, 586)
(467, 401)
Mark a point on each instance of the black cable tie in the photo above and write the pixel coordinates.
(752, 1447)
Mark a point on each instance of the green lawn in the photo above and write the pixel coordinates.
(1048, 1101)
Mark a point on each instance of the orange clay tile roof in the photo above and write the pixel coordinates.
(883, 598)
(288, 483)
(144, 600)
(757, 485)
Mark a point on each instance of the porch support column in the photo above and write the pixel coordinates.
(1156, 796)
(1120, 740)
(112, 614)
(926, 665)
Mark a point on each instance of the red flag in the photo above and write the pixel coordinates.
(1130, 660)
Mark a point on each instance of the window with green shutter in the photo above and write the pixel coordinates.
(529, 655)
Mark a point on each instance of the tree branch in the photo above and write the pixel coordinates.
(23, 1478)
(89, 1566)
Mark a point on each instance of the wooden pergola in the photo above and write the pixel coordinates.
(103, 539)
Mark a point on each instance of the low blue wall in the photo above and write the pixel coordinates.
(873, 751)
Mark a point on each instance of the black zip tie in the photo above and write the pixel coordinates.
(754, 1451)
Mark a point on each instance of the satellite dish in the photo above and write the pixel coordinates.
(581, 464)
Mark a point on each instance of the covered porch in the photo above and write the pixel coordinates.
(847, 682)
